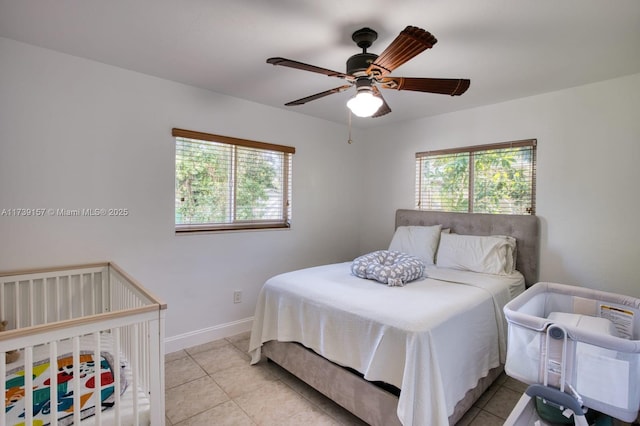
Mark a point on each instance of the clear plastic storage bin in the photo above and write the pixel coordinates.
(580, 340)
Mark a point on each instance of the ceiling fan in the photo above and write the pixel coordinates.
(368, 72)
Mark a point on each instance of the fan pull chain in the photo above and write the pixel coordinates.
(349, 141)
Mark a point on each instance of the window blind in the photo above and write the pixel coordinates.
(496, 178)
(223, 185)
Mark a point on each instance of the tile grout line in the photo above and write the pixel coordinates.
(238, 346)
(206, 374)
(229, 343)
(311, 402)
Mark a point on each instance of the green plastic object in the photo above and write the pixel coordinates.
(550, 413)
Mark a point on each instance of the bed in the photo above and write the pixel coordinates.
(89, 343)
(392, 355)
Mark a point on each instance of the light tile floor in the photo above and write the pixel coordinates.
(213, 384)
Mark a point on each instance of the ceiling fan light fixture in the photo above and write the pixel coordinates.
(369, 72)
(364, 103)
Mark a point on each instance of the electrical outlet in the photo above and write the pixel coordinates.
(237, 296)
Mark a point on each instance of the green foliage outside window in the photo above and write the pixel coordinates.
(502, 184)
(448, 183)
(222, 183)
(496, 180)
(256, 182)
(202, 185)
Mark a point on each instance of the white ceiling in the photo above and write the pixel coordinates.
(509, 49)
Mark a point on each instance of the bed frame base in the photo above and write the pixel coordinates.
(364, 399)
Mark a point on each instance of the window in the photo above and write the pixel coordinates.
(497, 178)
(225, 183)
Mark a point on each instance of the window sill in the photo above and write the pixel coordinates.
(209, 228)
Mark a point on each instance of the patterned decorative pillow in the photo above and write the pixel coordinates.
(393, 268)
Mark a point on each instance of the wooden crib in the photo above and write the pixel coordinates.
(105, 333)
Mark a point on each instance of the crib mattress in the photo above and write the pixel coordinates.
(63, 369)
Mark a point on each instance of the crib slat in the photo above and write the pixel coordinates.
(76, 380)
(31, 302)
(105, 291)
(57, 298)
(145, 354)
(97, 374)
(3, 384)
(93, 294)
(116, 360)
(81, 283)
(53, 387)
(2, 298)
(69, 298)
(156, 364)
(17, 304)
(135, 368)
(45, 301)
(28, 385)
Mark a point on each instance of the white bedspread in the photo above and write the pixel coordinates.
(433, 338)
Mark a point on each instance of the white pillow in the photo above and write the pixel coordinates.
(418, 241)
(485, 254)
(511, 253)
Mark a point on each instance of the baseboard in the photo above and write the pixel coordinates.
(198, 337)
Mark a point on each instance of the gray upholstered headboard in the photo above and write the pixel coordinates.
(525, 229)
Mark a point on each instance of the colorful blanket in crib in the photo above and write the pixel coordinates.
(15, 392)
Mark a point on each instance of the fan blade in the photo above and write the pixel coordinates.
(384, 108)
(445, 86)
(409, 43)
(306, 67)
(303, 101)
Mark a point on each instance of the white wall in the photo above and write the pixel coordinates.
(79, 134)
(588, 175)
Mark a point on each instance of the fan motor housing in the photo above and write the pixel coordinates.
(364, 37)
(358, 64)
